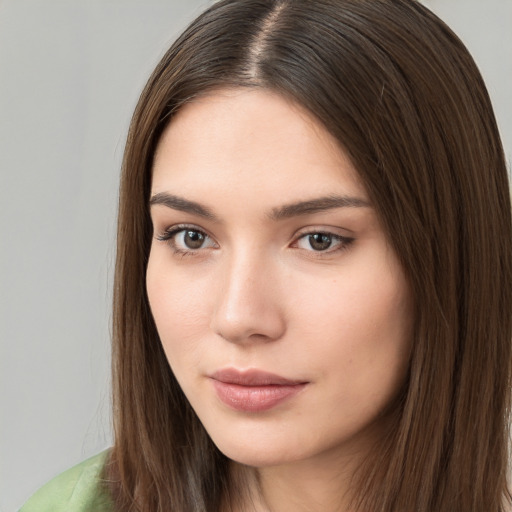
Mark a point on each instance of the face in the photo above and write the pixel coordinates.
(283, 312)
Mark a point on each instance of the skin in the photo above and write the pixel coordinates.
(257, 295)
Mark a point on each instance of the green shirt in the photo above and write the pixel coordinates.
(79, 489)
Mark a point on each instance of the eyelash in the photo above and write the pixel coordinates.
(169, 235)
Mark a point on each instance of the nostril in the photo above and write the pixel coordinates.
(248, 321)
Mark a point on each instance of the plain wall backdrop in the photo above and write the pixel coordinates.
(70, 75)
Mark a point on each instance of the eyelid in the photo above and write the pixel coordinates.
(168, 236)
(344, 241)
(328, 230)
(176, 228)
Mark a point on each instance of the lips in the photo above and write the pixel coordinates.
(253, 390)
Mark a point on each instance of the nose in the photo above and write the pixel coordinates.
(248, 307)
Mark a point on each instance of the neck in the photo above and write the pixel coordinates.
(320, 484)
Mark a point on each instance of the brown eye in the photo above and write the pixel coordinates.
(183, 239)
(320, 241)
(193, 239)
(323, 242)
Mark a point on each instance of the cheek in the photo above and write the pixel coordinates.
(180, 311)
(360, 331)
(367, 303)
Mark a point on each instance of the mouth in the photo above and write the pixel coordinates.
(253, 390)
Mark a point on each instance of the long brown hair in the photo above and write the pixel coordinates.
(404, 98)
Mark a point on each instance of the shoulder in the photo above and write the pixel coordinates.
(79, 489)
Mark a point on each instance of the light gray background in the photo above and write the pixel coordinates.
(70, 74)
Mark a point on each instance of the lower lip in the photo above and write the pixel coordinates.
(255, 398)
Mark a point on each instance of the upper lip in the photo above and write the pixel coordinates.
(252, 377)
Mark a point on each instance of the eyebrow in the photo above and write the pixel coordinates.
(299, 208)
(183, 205)
(318, 205)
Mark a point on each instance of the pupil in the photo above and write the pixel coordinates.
(320, 241)
(194, 239)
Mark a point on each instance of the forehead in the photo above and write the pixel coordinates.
(251, 140)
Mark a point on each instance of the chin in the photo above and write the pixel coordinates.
(262, 449)
(255, 456)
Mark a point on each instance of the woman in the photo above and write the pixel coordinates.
(312, 296)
